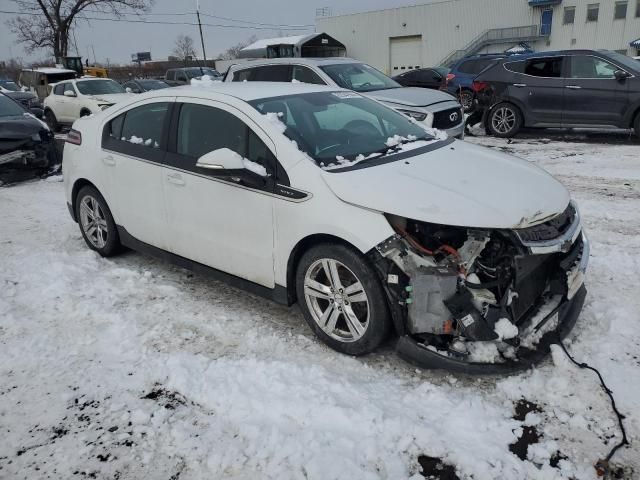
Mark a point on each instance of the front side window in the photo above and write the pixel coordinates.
(99, 87)
(593, 9)
(143, 125)
(203, 129)
(306, 75)
(59, 89)
(359, 77)
(620, 11)
(584, 66)
(334, 127)
(569, 15)
(544, 67)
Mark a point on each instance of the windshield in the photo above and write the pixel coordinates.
(335, 128)
(152, 84)
(198, 72)
(9, 108)
(99, 87)
(9, 85)
(625, 61)
(359, 77)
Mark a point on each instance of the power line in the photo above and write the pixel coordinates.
(162, 22)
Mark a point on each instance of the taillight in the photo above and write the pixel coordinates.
(450, 76)
(477, 86)
(75, 137)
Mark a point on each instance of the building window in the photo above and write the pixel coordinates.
(638, 9)
(620, 11)
(592, 12)
(570, 15)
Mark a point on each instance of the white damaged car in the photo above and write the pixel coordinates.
(471, 259)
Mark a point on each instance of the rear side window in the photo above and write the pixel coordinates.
(272, 73)
(515, 67)
(242, 76)
(143, 125)
(171, 75)
(544, 67)
(306, 75)
(114, 127)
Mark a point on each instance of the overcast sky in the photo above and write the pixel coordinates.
(117, 41)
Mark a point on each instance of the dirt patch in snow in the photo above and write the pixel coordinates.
(434, 468)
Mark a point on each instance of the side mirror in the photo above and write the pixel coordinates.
(69, 93)
(621, 75)
(221, 160)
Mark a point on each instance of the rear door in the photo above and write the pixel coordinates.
(540, 89)
(593, 95)
(133, 149)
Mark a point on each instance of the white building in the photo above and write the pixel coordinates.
(442, 31)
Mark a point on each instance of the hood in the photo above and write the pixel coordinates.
(19, 127)
(458, 184)
(411, 96)
(21, 95)
(112, 97)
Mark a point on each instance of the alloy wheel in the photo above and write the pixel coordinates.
(93, 221)
(503, 120)
(336, 300)
(466, 100)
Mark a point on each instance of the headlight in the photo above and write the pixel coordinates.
(418, 116)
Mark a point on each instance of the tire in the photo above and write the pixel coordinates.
(51, 120)
(466, 100)
(102, 236)
(353, 309)
(85, 113)
(504, 120)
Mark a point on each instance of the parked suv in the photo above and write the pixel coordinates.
(73, 99)
(462, 74)
(327, 198)
(430, 107)
(183, 76)
(571, 89)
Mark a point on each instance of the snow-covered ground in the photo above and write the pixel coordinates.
(129, 368)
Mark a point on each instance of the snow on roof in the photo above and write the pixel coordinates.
(265, 42)
(50, 70)
(246, 91)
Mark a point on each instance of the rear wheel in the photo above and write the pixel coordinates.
(96, 222)
(504, 120)
(466, 100)
(342, 299)
(50, 119)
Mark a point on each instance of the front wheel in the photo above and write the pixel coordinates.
(96, 222)
(342, 299)
(504, 120)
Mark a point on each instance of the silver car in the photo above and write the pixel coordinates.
(433, 108)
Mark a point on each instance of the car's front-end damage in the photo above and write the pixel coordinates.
(478, 300)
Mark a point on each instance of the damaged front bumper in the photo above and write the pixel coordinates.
(448, 321)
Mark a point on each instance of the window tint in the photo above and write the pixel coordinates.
(620, 11)
(516, 67)
(569, 15)
(143, 125)
(306, 75)
(271, 73)
(203, 129)
(242, 76)
(59, 89)
(583, 66)
(114, 128)
(544, 67)
(593, 9)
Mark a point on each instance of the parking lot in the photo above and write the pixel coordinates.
(132, 368)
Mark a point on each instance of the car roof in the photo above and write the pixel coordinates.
(309, 61)
(246, 91)
(48, 70)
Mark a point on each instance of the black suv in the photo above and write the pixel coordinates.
(570, 88)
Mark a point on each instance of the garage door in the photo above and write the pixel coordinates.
(406, 54)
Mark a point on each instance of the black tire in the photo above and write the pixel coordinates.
(85, 113)
(51, 120)
(352, 263)
(504, 120)
(466, 100)
(110, 238)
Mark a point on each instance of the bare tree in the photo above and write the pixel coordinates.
(48, 23)
(184, 48)
(234, 51)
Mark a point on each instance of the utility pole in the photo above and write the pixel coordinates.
(204, 54)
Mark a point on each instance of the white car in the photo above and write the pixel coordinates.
(73, 99)
(474, 259)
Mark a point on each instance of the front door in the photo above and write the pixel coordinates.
(593, 95)
(541, 88)
(220, 220)
(133, 149)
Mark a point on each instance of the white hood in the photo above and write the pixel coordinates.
(112, 97)
(459, 184)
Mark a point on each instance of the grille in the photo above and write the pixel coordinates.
(550, 229)
(443, 119)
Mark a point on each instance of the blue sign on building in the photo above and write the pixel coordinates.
(544, 3)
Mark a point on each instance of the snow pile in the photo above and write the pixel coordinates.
(275, 119)
(254, 167)
(204, 81)
(505, 329)
(136, 140)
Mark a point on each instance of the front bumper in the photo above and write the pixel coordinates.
(457, 131)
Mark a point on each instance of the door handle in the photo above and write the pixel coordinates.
(175, 178)
(109, 160)
(574, 87)
(519, 85)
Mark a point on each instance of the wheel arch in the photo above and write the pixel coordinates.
(516, 103)
(77, 186)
